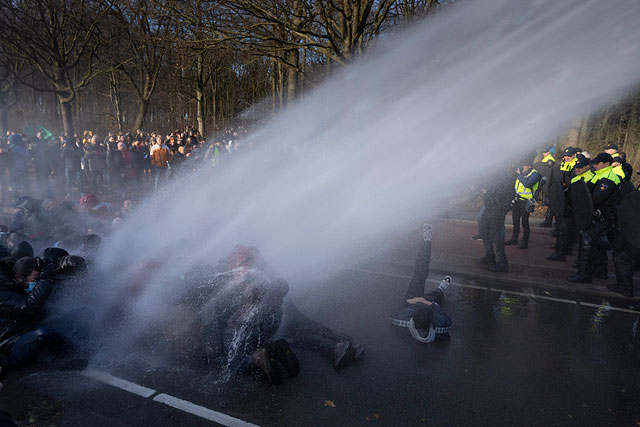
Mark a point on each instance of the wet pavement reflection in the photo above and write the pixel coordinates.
(514, 357)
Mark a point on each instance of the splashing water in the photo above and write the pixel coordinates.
(389, 140)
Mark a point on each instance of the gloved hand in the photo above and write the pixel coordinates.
(47, 271)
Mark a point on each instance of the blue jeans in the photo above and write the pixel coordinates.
(72, 174)
(160, 173)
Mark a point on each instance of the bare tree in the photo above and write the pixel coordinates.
(141, 39)
(59, 38)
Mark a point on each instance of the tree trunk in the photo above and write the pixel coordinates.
(292, 76)
(143, 108)
(4, 124)
(66, 114)
(214, 111)
(114, 93)
(200, 101)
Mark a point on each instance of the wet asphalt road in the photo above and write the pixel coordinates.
(512, 360)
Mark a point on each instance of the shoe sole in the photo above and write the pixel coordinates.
(287, 358)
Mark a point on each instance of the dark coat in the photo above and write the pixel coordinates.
(96, 157)
(20, 312)
(498, 193)
(71, 155)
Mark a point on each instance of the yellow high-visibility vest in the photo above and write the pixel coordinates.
(524, 192)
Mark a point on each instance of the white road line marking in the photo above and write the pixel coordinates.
(624, 310)
(464, 285)
(174, 402)
(504, 291)
(484, 288)
(201, 411)
(588, 304)
(568, 301)
(119, 382)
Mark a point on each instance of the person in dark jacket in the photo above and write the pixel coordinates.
(71, 156)
(594, 241)
(497, 195)
(20, 159)
(22, 309)
(96, 159)
(41, 164)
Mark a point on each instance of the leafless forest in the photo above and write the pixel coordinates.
(71, 65)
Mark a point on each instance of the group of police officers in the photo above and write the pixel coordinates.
(594, 204)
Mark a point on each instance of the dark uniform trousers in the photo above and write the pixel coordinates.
(519, 213)
(626, 259)
(491, 227)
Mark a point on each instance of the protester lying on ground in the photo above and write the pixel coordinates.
(423, 315)
(240, 315)
(239, 310)
(308, 334)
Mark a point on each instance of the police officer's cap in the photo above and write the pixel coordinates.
(602, 157)
(610, 147)
(569, 151)
(582, 161)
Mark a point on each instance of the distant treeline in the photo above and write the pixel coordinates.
(71, 65)
(161, 65)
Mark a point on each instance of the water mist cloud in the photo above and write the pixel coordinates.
(393, 137)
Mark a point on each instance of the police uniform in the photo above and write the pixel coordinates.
(585, 176)
(604, 193)
(546, 167)
(497, 196)
(626, 254)
(526, 186)
(565, 227)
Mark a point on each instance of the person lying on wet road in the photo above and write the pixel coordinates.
(239, 310)
(423, 314)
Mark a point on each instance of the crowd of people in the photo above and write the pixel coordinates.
(52, 238)
(239, 307)
(583, 195)
(43, 164)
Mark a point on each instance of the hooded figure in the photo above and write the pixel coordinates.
(22, 249)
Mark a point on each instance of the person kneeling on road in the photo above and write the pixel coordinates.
(23, 337)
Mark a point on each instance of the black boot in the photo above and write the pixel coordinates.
(489, 259)
(584, 268)
(624, 274)
(523, 245)
(602, 275)
(500, 267)
(281, 351)
(512, 241)
(579, 278)
(556, 256)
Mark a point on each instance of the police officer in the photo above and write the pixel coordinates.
(526, 187)
(546, 167)
(605, 193)
(626, 254)
(497, 195)
(621, 168)
(565, 227)
(583, 171)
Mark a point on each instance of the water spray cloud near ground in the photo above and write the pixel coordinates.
(390, 139)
